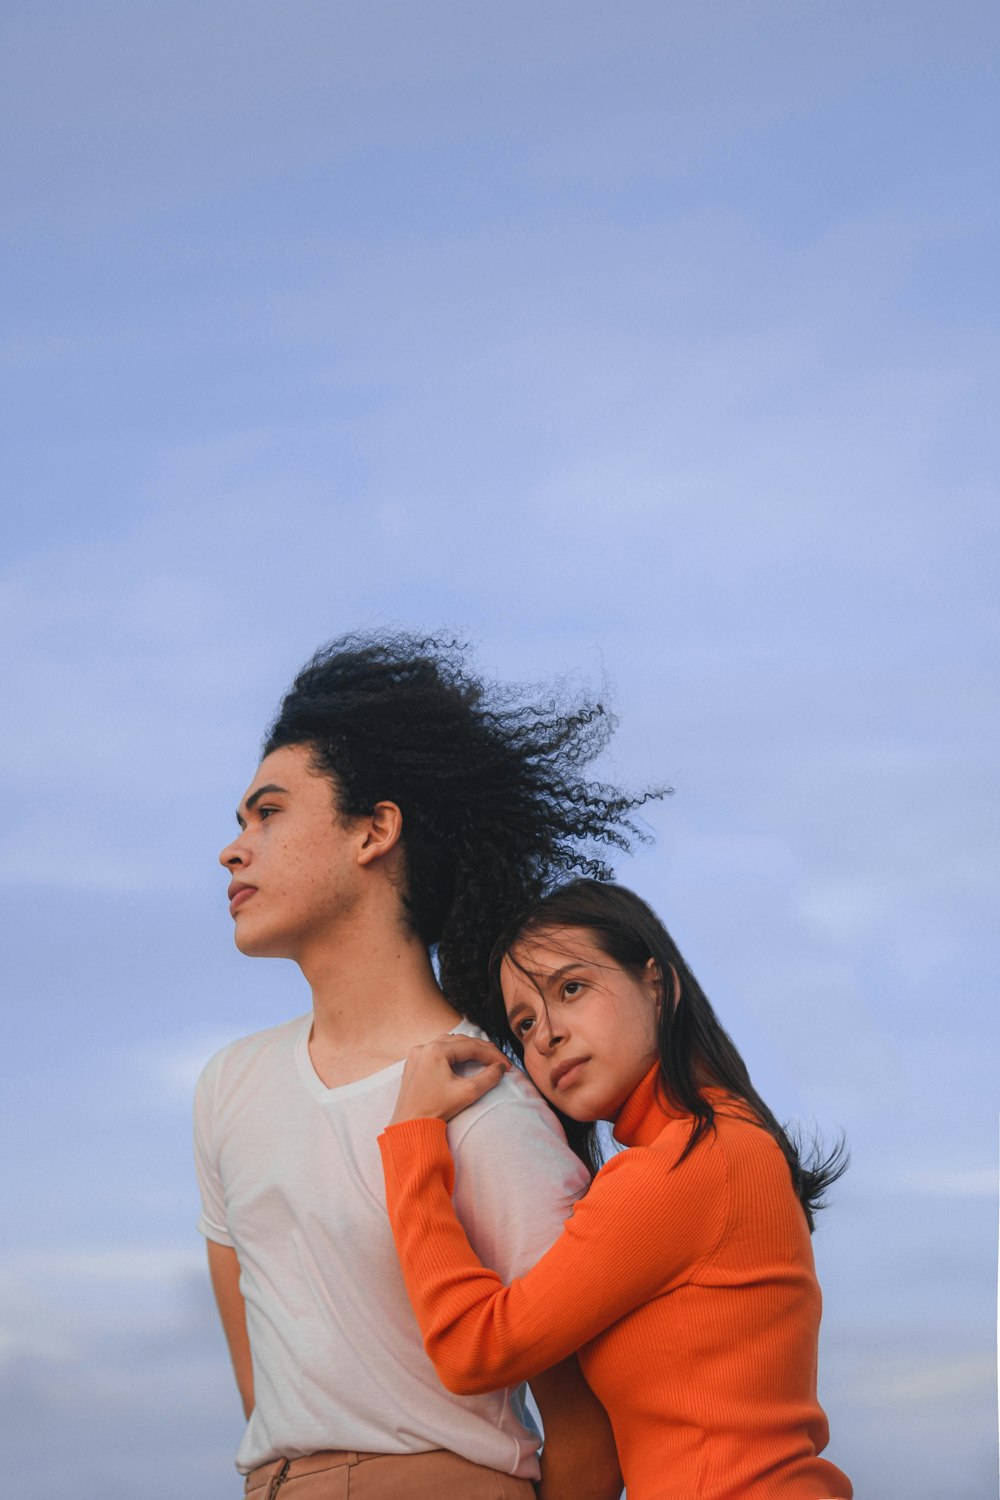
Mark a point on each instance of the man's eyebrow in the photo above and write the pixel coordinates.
(255, 797)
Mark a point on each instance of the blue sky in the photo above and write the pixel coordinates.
(653, 345)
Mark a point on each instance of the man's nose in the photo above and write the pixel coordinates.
(231, 855)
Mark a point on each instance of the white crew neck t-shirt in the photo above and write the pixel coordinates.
(291, 1177)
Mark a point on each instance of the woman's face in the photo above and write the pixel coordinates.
(587, 1026)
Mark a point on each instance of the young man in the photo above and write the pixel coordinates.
(399, 807)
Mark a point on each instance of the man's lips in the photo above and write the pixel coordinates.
(239, 894)
(567, 1072)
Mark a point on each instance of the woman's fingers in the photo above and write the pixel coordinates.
(473, 1086)
(440, 1078)
(457, 1047)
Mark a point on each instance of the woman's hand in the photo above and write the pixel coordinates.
(431, 1089)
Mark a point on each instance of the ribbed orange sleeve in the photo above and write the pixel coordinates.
(641, 1230)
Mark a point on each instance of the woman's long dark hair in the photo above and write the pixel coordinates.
(693, 1045)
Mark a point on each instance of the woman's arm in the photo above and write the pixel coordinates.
(640, 1229)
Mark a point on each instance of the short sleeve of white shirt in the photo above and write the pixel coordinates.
(514, 1177)
(212, 1219)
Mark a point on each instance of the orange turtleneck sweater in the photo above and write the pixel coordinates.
(688, 1291)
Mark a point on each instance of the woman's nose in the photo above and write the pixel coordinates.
(548, 1034)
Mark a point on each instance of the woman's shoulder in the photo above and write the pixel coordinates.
(756, 1167)
(735, 1132)
(663, 1193)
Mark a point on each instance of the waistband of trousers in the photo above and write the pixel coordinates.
(259, 1479)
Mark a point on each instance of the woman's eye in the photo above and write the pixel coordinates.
(265, 812)
(523, 1026)
(571, 988)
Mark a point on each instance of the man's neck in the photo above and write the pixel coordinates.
(374, 997)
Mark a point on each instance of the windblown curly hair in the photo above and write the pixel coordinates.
(496, 808)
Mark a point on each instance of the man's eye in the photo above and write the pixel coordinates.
(265, 812)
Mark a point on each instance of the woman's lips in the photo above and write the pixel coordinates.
(568, 1076)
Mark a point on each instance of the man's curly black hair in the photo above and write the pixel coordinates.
(496, 808)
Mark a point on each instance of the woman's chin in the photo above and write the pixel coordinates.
(575, 1109)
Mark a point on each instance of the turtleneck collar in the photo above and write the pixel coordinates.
(645, 1112)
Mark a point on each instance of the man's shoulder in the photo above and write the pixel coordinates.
(516, 1177)
(514, 1109)
(246, 1053)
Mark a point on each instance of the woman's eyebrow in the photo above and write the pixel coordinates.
(557, 974)
(542, 981)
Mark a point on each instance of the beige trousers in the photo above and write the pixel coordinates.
(437, 1475)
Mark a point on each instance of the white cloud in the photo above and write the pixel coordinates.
(960, 1182)
(175, 1067)
(36, 858)
(156, 1264)
(55, 1307)
(920, 1381)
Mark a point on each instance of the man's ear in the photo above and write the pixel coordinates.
(381, 832)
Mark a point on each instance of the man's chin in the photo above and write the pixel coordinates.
(259, 945)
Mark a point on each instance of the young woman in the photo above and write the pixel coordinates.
(685, 1276)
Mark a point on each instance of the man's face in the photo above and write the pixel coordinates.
(293, 864)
